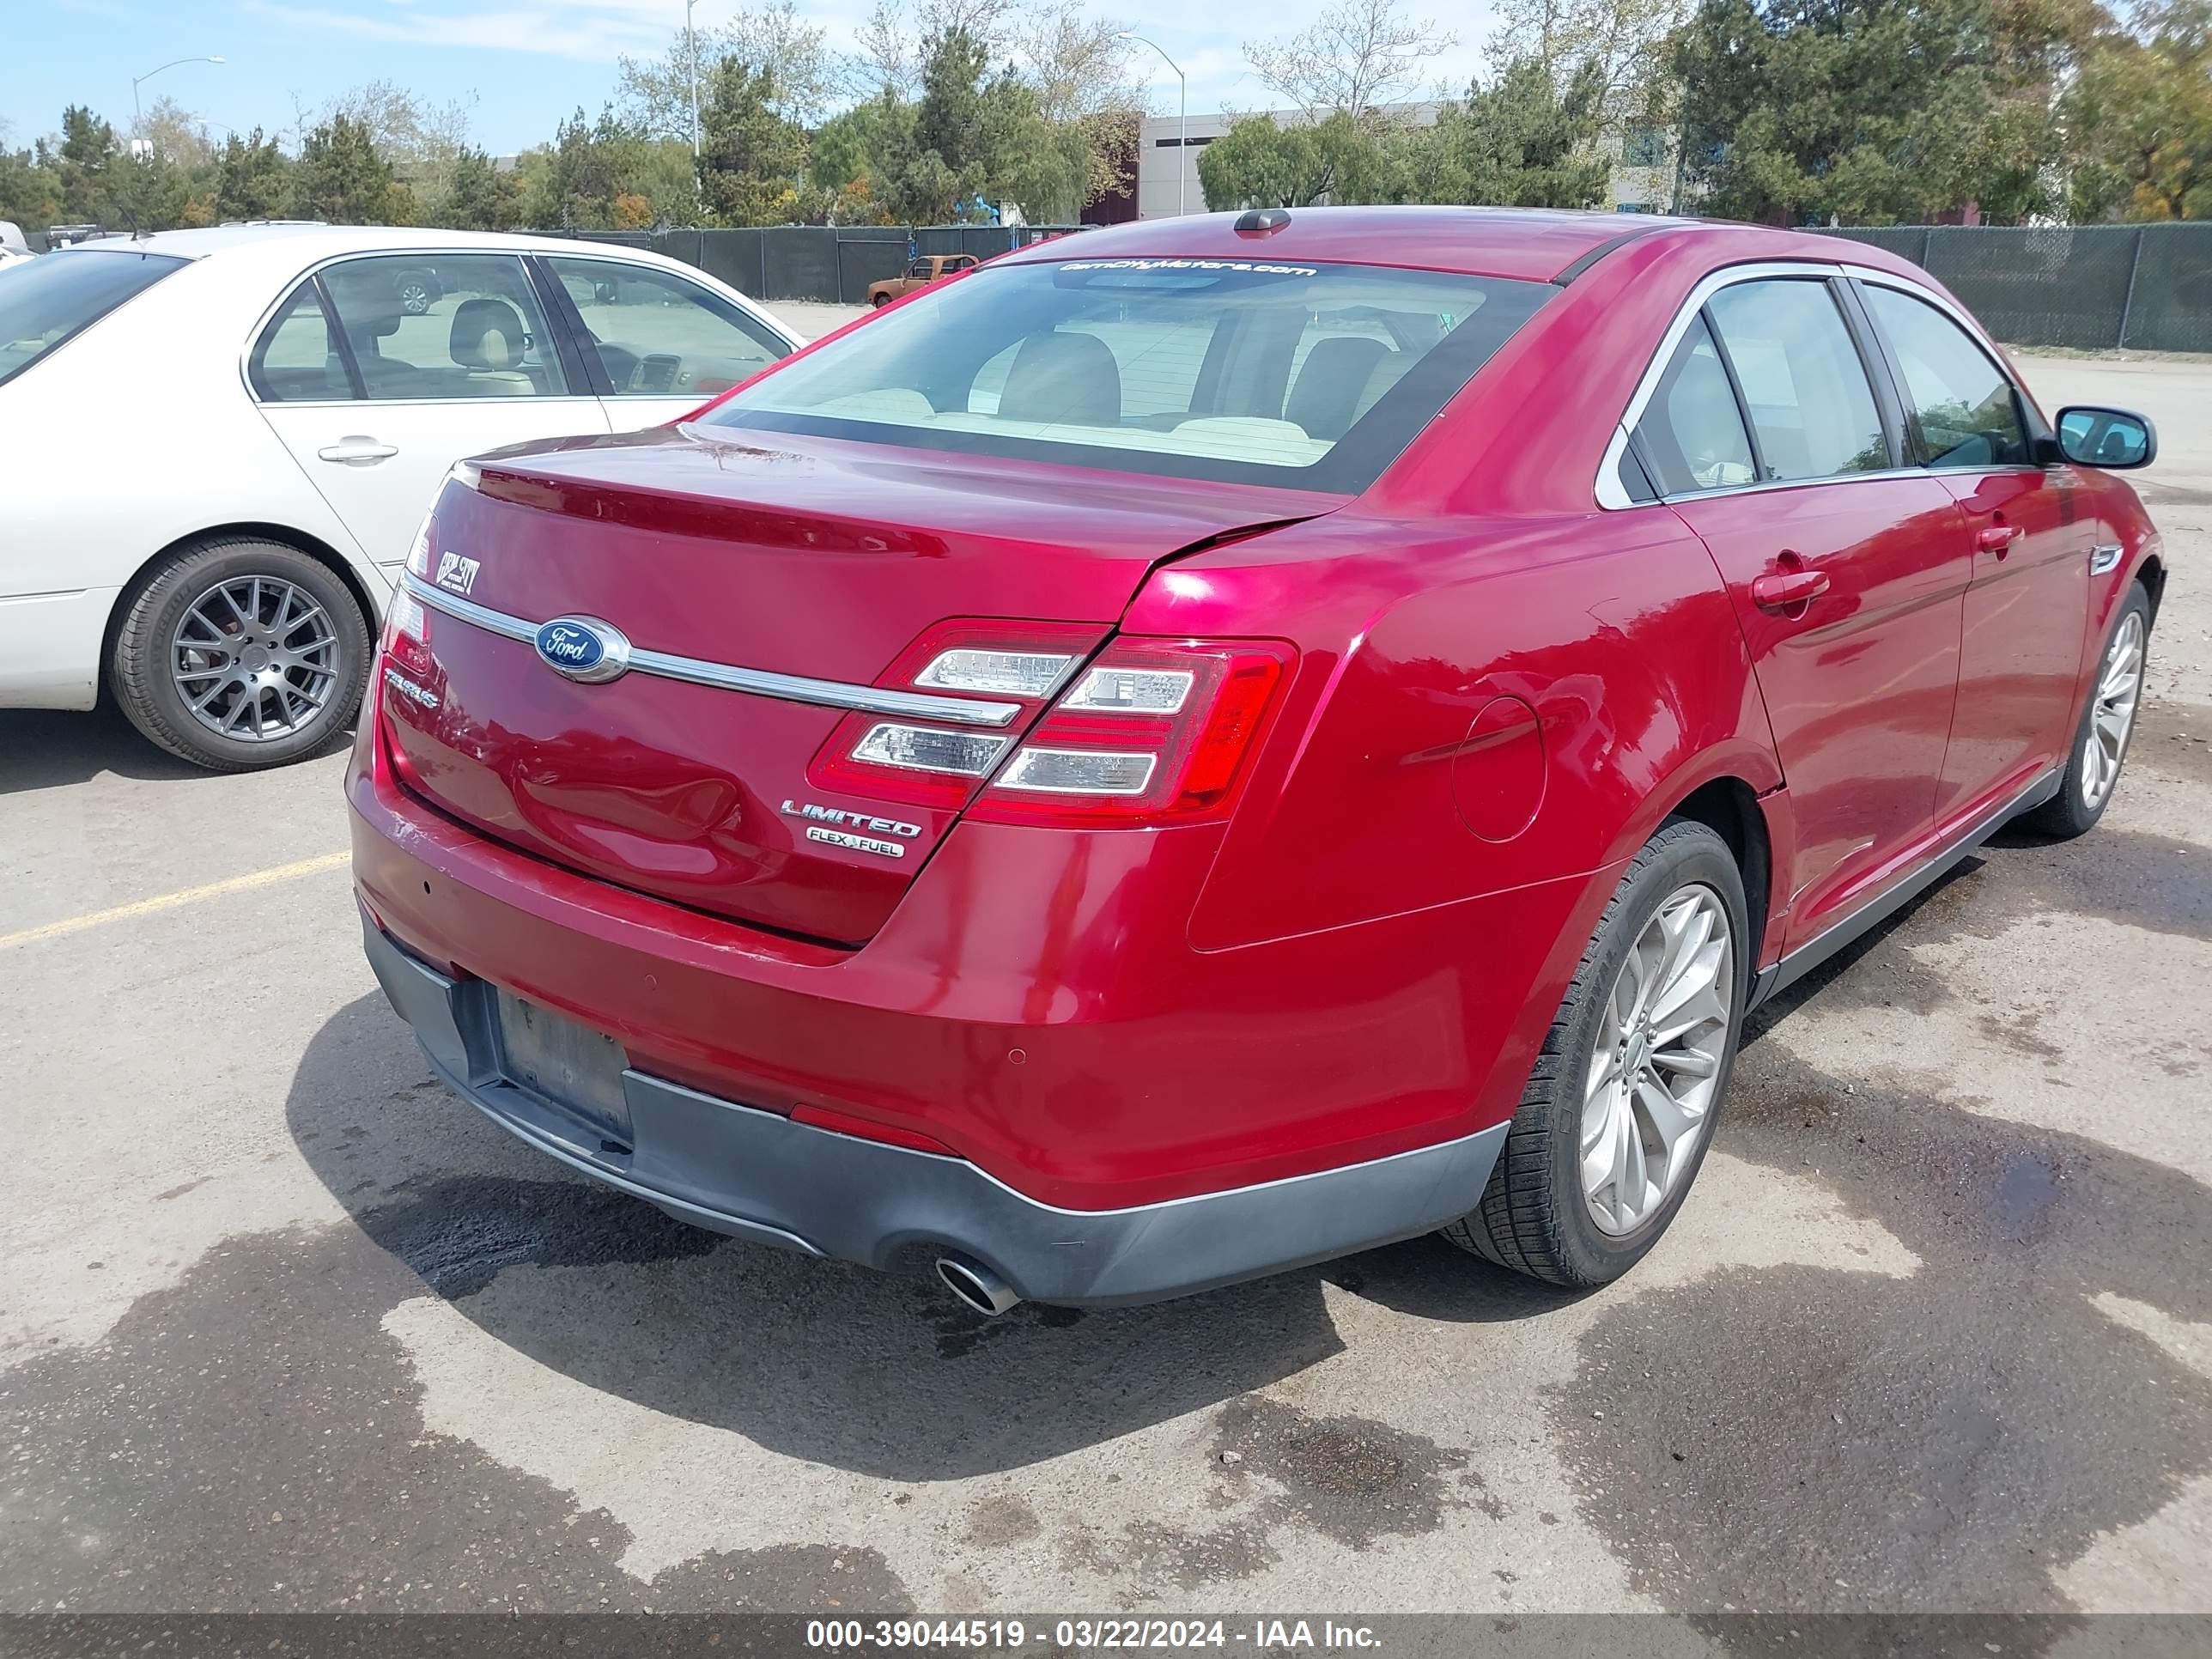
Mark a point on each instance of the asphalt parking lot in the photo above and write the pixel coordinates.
(286, 1326)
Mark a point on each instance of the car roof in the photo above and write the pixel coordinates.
(319, 240)
(1533, 245)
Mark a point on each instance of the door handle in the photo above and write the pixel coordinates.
(357, 450)
(1997, 538)
(1785, 590)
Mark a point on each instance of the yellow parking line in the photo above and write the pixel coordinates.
(172, 900)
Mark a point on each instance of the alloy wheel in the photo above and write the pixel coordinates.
(1662, 1037)
(2112, 710)
(255, 659)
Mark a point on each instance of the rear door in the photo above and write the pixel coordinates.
(1771, 439)
(659, 344)
(2027, 534)
(379, 372)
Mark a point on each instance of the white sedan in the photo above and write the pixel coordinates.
(219, 444)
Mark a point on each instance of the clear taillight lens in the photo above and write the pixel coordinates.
(1155, 730)
(931, 749)
(1148, 730)
(1030, 674)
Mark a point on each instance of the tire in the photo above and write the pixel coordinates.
(2093, 763)
(1535, 1216)
(880, 300)
(417, 294)
(159, 667)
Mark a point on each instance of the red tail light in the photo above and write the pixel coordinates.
(1148, 730)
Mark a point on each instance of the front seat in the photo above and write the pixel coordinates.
(488, 340)
(1325, 401)
(1058, 379)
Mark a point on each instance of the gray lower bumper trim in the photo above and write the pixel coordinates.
(758, 1175)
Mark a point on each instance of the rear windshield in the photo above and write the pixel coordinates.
(1314, 376)
(57, 294)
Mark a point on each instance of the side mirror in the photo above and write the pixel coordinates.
(2113, 439)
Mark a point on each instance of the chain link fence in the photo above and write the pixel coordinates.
(2142, 288)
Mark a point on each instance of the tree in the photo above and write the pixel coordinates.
(30, 194)
(1622, 44)
(1357, 55)
(894, 40)
(859, 147)
(1870, 111)
(84, 167)
(2140, 116)
(1523, 141)
(1077, 69)
(1256, 163)
(479, 197)
(959, 145)
(253, 179)
(573, 183)
(655, 93)
(173, 133)
(750, 158)
(340, 177)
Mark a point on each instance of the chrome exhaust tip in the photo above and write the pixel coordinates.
(976, 1286)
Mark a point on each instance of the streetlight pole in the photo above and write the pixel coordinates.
(138, 115)
(1182, 141)
(691, 46)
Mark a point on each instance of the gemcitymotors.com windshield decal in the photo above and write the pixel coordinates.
(1191, 264)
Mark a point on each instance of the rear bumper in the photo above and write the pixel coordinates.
(759, 1176)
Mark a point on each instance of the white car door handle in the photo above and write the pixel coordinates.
(358, 451)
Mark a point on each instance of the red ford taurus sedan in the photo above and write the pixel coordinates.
(1236, 740)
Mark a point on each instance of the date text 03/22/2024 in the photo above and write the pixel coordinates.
(837, 1634)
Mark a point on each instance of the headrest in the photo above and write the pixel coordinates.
(488, 334)
(1063, 377)
(1326, 399)
(367, 301)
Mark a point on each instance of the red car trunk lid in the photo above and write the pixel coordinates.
(797, 556)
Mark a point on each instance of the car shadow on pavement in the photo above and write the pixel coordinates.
(880, 1374)
(44, 748)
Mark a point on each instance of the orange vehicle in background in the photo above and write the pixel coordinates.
(919, 273)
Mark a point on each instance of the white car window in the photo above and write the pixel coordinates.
(659, 336)
(425, 327)
(296, 360)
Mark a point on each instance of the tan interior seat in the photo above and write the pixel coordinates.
(488, 340)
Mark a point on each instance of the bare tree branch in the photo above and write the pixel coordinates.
(1356, 55)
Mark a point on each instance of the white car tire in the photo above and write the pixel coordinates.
(239, 654)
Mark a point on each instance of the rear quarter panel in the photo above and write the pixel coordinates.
(1394, 780)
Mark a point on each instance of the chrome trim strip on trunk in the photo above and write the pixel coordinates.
(726, 677)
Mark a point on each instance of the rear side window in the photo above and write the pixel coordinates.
(296, 359)
(1960, 405)
(431, 327)
(1804, 386)
(45, 303)
(1691, 436)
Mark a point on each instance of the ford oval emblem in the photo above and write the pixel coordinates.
(584, 648)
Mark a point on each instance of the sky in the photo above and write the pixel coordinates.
(525, 64)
